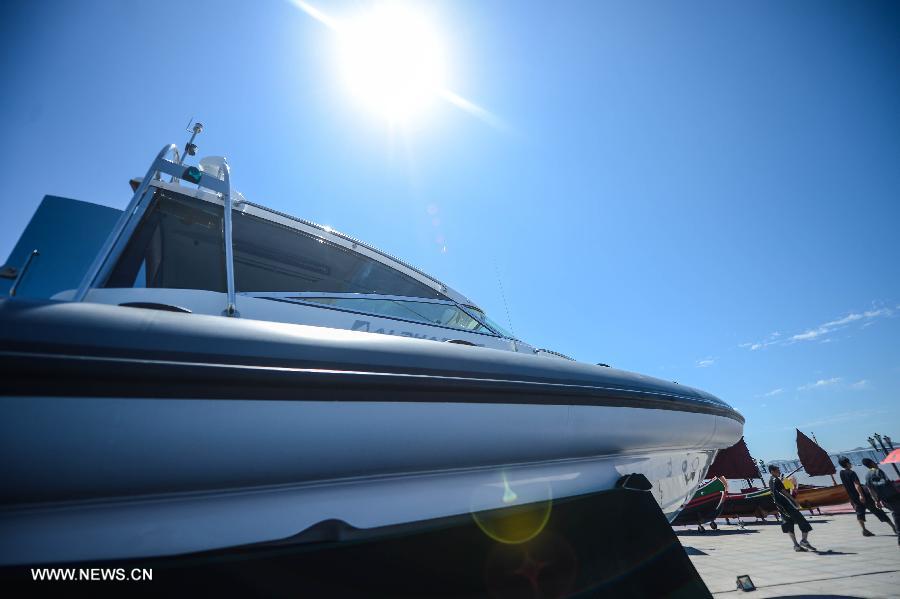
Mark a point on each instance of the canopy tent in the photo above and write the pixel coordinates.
(892, 458)
(734, 462)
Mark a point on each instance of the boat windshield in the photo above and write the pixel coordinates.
(441, 314)
(179, 244)
(272, 257)
(490, 322)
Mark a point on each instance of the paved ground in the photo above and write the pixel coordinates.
(846, 564)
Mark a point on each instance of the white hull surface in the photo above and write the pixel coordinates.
(214, 474)
(128, 433)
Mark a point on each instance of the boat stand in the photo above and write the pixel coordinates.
(614, 543)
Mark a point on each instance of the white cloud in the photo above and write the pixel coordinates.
(770, 340)
(705, 362)
(810, 334)
(831, 325)
(861, 384)
(867, 318)
(773, 392)
(819, 384)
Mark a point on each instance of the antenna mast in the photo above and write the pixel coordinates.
(190, 149)
(503, 295)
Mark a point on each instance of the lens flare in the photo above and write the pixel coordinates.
(525, 513)
(509, 496)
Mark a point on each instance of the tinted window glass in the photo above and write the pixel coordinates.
(178, 245)
(440, 314)
(271, 257)
(491, 323)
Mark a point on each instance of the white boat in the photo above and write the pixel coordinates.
(217, 379)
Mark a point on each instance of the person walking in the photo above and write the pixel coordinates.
(790, 513)
(860, 498)
(883, 489)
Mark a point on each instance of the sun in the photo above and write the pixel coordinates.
(392, 60)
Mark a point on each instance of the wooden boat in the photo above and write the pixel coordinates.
(737, 463)
(816, 462)
(754, 503)
(711, 486)
(701, 506)
(809, 497)
(701, 510)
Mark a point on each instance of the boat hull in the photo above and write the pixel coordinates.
(164, 434)
(155, 477)
(813, 497)
(757, 504)
(700, 510)
(711, 486)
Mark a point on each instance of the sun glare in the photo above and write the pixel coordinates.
(392, 61)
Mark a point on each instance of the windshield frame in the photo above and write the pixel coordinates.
(479, 315)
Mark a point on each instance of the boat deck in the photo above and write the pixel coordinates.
(846, 565)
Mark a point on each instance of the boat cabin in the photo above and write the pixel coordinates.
(191, 244)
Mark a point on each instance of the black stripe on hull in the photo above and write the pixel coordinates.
(34, 374)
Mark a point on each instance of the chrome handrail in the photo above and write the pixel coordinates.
(230, 307)
(111, 248)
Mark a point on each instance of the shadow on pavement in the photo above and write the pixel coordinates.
(776, 523)
(714, 533)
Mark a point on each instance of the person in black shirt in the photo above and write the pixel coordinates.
(884, 489)
(860, 498)
(790, 515)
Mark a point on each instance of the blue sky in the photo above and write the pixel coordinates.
(701, 191)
